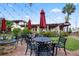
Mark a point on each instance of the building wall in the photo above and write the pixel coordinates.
(50, 27)
(37, 29)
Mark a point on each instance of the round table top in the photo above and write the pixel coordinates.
(42, 39)
(7, 41)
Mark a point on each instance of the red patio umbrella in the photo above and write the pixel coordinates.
(3, 26)
(42, 19)
(29, 25)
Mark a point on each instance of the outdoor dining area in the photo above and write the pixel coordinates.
(40, 45)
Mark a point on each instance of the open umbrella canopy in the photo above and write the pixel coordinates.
(29, 25)
(3, 25)
(42, 19)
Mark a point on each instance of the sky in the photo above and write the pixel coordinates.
(23, 11)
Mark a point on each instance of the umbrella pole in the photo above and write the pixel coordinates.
(3, 35)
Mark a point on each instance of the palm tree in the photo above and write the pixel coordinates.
(30, 4)
(68, 9)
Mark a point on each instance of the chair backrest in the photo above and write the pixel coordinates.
(62, 41)
(28, 39)
(30, 43)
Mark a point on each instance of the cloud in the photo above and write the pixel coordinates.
(56, 10)
(59, 19)
(27, 17)
(35, 22)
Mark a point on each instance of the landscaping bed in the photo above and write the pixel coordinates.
(7, 43)
(4, 49)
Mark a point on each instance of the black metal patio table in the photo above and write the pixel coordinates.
(40, 40)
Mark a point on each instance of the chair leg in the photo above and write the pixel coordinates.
(47, 51)
(17, 42)
(15, 46)
(53, 48)
(21, 42)
(65, 51)
(36, 52)
(56, 51)
(31, 52)
(26, 50)
(59, 49)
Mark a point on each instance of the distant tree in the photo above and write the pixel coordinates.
(9, 24)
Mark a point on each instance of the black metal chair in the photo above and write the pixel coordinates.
(17, 38)
(30, 45)
(61, 44)
(22, 39)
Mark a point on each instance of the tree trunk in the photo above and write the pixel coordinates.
(67, 21)
(67, 28)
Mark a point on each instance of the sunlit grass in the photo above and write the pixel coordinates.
(71, 44)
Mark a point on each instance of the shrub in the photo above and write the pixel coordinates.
(64, 33)
(9, 37)
(41, 33)
(25, 32)
(53, 33)
(16, 31)
(49, 34)
(6, 37)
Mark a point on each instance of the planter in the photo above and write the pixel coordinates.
(7, 46)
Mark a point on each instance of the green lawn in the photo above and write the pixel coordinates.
(71, 44)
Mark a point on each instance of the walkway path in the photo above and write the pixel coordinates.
(75, 37)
